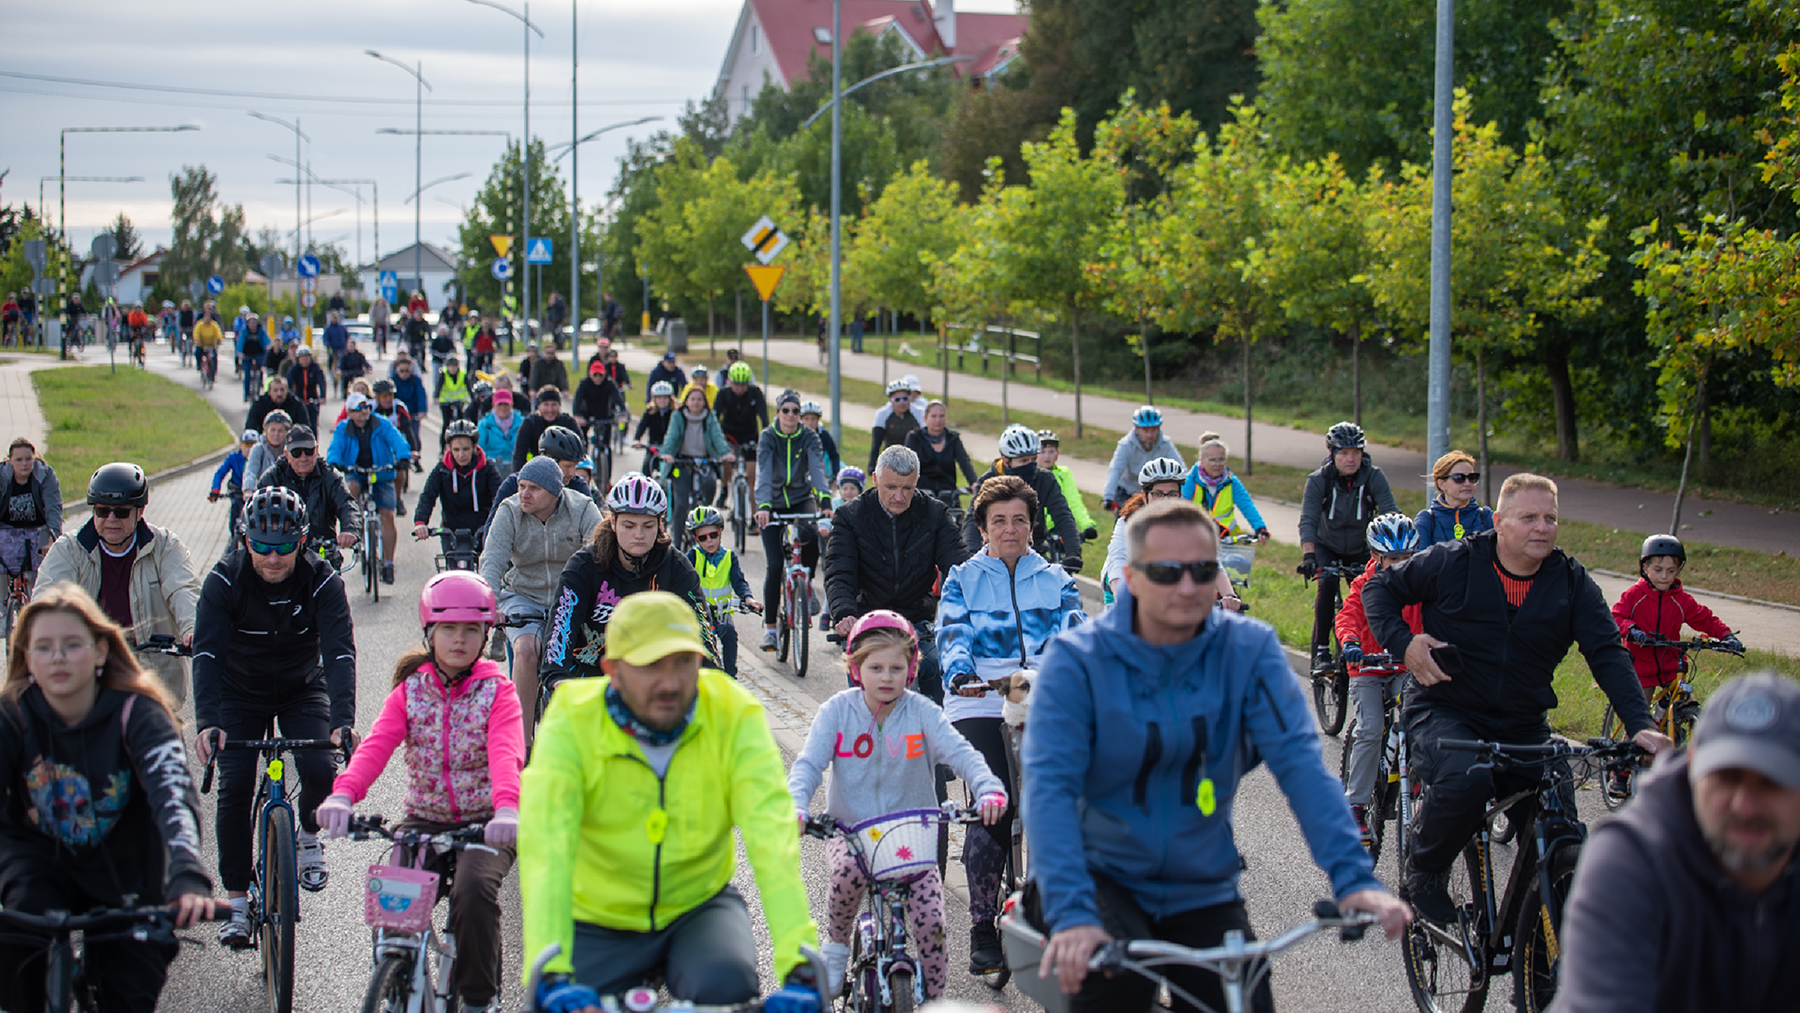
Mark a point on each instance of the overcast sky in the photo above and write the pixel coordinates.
(637, 58)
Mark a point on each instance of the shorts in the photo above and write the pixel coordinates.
(384, 495)
(744, 449)
(513, 603)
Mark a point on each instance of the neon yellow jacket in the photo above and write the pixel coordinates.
(1065, 480)
(603, 840)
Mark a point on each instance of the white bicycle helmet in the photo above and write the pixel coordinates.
(1018, 441)
(812, 408)
(912, 383)
(636, 493)
(1163, 469)
(662, 388)
(898, 387)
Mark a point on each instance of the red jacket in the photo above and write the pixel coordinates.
(1662, 613)
(1351, 624)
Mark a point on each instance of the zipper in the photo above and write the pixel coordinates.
(1152, 753)
(1018, 622)
(1196, 764)
(449, 784)
(656, 862)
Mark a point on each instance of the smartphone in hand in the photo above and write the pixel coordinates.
(1448, 658)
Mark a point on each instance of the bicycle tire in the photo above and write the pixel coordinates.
(390, 987)
(280, 902)
(1439, 977)
(1344, 753)
(900, 987)
(1537, 950)
(802, 628)
(784, 632)
(1613, 728)
(1331, 698)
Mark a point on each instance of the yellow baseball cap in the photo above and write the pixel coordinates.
(651, 625)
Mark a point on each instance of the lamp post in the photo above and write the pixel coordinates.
(837, 186)
(418, 73)
(62, 188)
(299, 135)
(524, 145)
(1437, 396)
(572, 149)
(426, 186)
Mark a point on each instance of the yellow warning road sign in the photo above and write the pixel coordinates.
(765, 240)
(501, 244)
(765, 278)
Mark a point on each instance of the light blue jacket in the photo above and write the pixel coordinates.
(987, 613)
(497, 445)
(1240, 497)
(1437, 522)
(386, 446)
(1133, 803)
(716, 447)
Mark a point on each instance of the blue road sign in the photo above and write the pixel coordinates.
(388, 284)
(309, 266)
(215, 284)
(502, 269)
(538, 252)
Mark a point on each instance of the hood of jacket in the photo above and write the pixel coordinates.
(89, 538)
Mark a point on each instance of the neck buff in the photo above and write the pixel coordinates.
(637, 729)
(1214, 483)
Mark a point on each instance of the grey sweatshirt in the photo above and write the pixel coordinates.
(525, 555)
(1128, 459)
(885, 769)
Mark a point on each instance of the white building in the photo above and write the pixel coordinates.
(436, 273)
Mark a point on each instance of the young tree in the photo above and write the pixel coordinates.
(129, 245)
(912, 225)
(974, 284)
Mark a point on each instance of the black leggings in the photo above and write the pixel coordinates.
(1324, 610)
(774, 539)
(985, 848)
(306, 717)
(128, 975)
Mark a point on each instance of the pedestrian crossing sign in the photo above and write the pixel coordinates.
(538, 252)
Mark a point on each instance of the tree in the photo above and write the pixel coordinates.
(913, 225)
(206, 239)
(128, 245)
(974, 284)
(499, 208)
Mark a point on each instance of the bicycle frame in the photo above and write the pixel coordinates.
(415, 945)
(795, 618)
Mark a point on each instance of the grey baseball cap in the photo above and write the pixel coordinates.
(1751, 723)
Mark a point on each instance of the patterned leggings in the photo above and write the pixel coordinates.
(924, 913)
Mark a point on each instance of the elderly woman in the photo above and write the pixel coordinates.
(1212, 485)
(1453, 512)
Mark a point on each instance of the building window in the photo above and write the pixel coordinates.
(822, 36)
(744, 94)
(755, 39)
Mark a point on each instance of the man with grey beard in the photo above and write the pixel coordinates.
(1690, 899)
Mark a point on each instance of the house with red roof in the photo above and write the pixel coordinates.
(775, 39)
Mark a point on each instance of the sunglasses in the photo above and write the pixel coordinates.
(707, 536)
(117, 513)
(301, 451)
(276, 549)
(790, 411)
(1460, 477)
(1204, 572)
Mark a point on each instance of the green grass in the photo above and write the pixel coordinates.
(97, 416)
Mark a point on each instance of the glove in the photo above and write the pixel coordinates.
(333, 815)
(1090, 533)
(502, 828)
(1309, 566)
(1110, 506)
(797, 996)
(992, 798)
(558, 993)
(1637, 635)
(212, 496)
(1352, 653)
(964, 679)
(1072, 564)
(1733, 643)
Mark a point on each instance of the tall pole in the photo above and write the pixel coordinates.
(418, 172)
(525, 30)
(1437, 423)
(299, 174)
(574, 191)
(832, 325)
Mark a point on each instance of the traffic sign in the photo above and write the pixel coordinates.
(104, 246)
(309, 299)
(765, 278)
(502, 243)
(502, 269)
(196, 289)
(36, 254)
(271, 265)
(538, 252)
(765, 240)
(388, 282)
(309, 266)
(215, 284)
(44, 286)
(309, 284)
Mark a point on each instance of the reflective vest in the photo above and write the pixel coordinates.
(456, 387)
(715, 579)
(1220, 506)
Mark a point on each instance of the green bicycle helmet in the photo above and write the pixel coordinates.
(739, 373)
(704, 516)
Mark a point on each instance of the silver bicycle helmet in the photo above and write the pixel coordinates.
(1163, 469)
(636, 493)
(1018, 441)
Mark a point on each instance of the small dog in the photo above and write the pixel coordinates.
(1015, 693)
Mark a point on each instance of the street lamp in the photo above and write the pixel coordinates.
(81, 179)
(426, 186)
(571, 148)
(298, 137)
(418, 73)
(890, 72)
(525, 145)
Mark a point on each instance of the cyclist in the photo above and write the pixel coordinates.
(1219, 492)
(481, 400)
(529, 539)
(252, 345)
(666, 371)
(1512, 604)
(290, 334)
(306, 379)
(722, 581)
(1453, 512)
(269, 450)
(30, 505)
(389, 406)
(273, 646)
(1049, 453)
(743, 415)
(443, 348)
(465, 746)
(548, 371)
(1127, 841)
(615, 370)
(811, 414)
(941, 453)
(279, 397)
(694, 432)
(597, 401)
(1392, 540)
(894, 421)
(867, 781)
(336, 337)
(466, 484)
(654, 424)
(409, 389)
(793, 480)
(138, 323)
(563, 447)
(330, 508)
(451, 393)
(379, 315)
(666, 744)
(228, 477)
(549, 413)
(99, 808)
(1019, 457)
(1157, 480)
(139, 573)
(1342, 497)
(1145, 443)
(629, 551)
(352, 365)
(698, 380)
(498, 432)
(366, 440)
(998, 613)
(207, 338)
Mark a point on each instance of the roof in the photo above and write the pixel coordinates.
(430, 259)
(991, 39)
(147, 260)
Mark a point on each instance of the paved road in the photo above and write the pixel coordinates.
(334, 954)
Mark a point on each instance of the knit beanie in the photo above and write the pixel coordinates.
(543, 472)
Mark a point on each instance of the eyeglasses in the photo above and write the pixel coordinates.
(789, 411)
(48, 651)
(301, 451)
(707, 536)
(1204, 571)
(276, 549)
(117, 513)
(1163, 494)
(1460, 477)
(901, 397)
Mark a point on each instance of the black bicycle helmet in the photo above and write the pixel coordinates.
(461, 427)
(118, 484)
(383, 387)
(1661, 545)
(1345, 436)
(560, 443)
(274, 514)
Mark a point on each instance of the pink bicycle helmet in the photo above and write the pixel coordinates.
(636, 493)
(878, 620)
(457, 596)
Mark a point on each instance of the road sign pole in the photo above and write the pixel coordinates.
(765, 384)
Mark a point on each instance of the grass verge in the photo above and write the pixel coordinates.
(97, 416)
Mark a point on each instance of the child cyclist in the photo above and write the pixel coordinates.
(461, 723)
(721, 580)
(870, 779)
(1392, 538)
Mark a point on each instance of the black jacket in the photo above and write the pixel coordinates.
(264, 404)
(937, 469)
(893, 433)
(329, 508)
(270, 644)
(875, 560)
(1508, 660)
(597, 402)
(586, 596)
(1336, 514)
(674, 375)
(549, 371)
(110, 800)
(525, 444)
(1654, 925)
(308, 384)
(467, 497)
(1050, 499)
(654, 425)
(742, 417)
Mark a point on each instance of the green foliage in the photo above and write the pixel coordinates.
(914, 224)
(128, 244)
(499, 208)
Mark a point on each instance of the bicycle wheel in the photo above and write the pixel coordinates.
(1537, 946)
(1344, 753)
(390, 987)
(900, 987)
(740, 526)
(1331, 698)
(1439, 974)
(280, 902)
(1613, 728)
(802, 624)
(784, 625)
(1377, 813)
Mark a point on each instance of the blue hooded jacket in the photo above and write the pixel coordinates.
(1132, 803)
(386, 447)
(984, 611)
(1437, 522)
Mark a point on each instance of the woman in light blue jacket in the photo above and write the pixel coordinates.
(998, 612)
(693, 432)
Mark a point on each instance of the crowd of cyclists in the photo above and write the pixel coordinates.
(575, 700)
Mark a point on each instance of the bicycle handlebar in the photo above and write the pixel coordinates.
(364, 827)
(823, 825)
(1696, 644)
(141, 919)
(1326, 916)
(271, 746)
(164, 643)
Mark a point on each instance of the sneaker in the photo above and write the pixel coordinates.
(768, 643)
(1429, 894)
(387, 573)
(1618, 786)
(419, 468)
(1323, 661)
(812, 601)
(311, 862)
(1362, 824)
(234, 933)
(837, 961)
(985, 956)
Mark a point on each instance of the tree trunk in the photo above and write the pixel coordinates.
(1075, 348)
(1481, 426)
(1702, 434)
(1356, 373)
(712, 329)
(1687, 459)
(1144, 340)
(1248, 468)
(1568, 443)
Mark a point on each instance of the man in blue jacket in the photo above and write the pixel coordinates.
(1131, 831)
(366, 440)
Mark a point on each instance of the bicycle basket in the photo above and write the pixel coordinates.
(399, 898)
(1237, 559)
(899, 845)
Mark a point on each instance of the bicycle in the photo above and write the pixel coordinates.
(274, 893)
(793, 623)
(1331, 685)
(1673, 706)
(740, 505)
(1395, 795)
(1013, 873)
(66, 982)
(397, 905)
(253, 367)
(688, 484)
(1521, 931)
(18, 584)
(462, 554)
(644, 999)
(952, 500)
(209, 366)
(368, 547)
(892, 851)
(1241, 965)
(600, 455)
